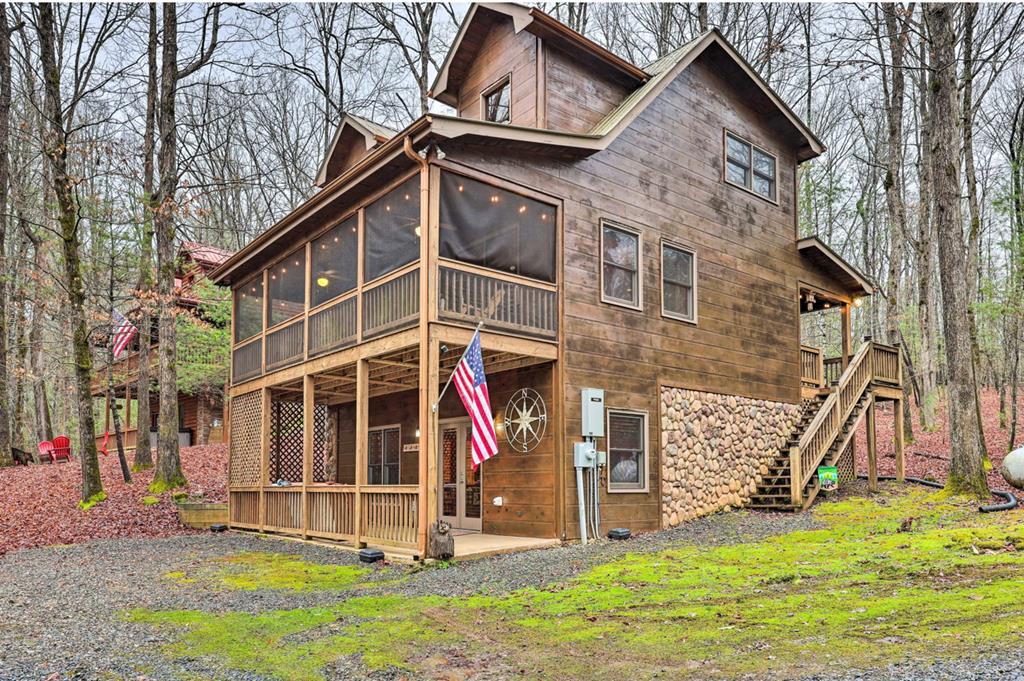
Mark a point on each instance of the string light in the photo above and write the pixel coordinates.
(461, 188)
(522, 209)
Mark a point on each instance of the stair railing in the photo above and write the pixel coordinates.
(827, 424)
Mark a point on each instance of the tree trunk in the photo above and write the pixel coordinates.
(143, 446)
(56, 150)
(967, 469)
(5, 127)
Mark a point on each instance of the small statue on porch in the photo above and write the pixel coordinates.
(441, 541)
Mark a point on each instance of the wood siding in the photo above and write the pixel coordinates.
(663, 175)
(503, 52)
(578, 95)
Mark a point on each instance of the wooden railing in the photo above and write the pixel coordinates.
(334, 327)
(247, 361)
(392, 305)
(508, 304)
(389, 514)
(812, 372)
(331, 511)
(285, 345)
(244, 506)
(283, 509)
(128, 435)
(821, 433)
(885, 361)
(832, 369)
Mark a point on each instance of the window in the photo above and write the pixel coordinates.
(335, 258)
(248, 309)
(392, 230)
(749, 167)
(286, 295)
(498, 100)
(627, 451)
(384, 456)
(677, 282)
(490, 227)
(620, 265)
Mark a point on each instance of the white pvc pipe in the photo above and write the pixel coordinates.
(582, 504)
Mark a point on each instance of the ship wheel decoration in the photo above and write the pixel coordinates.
(525, 419)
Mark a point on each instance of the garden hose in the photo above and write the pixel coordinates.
(1010, 503)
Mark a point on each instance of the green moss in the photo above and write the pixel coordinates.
(917, 573)
(256, 570)
(160, 486)
(97, 498)
(150, 500)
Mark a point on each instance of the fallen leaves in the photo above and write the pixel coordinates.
(39, 504)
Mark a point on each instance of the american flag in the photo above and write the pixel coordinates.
(471, 383)
(122, 333)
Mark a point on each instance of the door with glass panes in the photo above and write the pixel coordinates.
(460, 497)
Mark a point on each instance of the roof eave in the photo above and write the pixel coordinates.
(813, 242)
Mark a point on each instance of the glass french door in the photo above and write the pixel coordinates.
(461, 488)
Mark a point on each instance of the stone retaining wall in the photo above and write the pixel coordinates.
(715, 448)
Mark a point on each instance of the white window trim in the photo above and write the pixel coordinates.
(647, 451)
(392, 426)
(639, 305)
(692, 319)
(726, 133)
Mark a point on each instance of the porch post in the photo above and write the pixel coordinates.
(362, 441)
(796, 491)
(127, 406)
(872, 447)
(897, 424)
(265, 451)
(308, 411)
(429, 379)
(844, 317)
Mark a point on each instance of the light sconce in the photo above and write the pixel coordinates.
(322, 282)
(858, 301)
(417, 433)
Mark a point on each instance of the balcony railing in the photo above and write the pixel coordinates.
(502, 303)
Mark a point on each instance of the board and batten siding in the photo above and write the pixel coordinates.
(663, 175)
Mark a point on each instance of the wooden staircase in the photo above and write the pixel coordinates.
(824, 432)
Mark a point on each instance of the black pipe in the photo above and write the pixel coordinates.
(1009, 504)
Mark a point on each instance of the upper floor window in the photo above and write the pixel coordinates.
(249, 309)
(335, 259)
(498, 101)
(678, 299)
(620, 265)
(495, 228)
(286, 295)
(749, 167)
(392, 230)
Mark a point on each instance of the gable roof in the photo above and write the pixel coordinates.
(818, 252)
(372, 134)
(479, 19)
(206, 256)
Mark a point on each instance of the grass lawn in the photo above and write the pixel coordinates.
(907, 574)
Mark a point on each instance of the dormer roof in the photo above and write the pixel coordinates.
(353, 140)
(479, 20)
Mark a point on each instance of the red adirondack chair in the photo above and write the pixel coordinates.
(61, 448)
(46, 451)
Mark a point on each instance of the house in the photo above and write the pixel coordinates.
(200, 416)
(625, 238)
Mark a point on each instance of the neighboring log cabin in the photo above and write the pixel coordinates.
(613, 227)
(200, 416)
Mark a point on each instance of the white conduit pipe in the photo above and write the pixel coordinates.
(582, 505)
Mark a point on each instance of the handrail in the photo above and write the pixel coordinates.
(827, 423)
(811, 366)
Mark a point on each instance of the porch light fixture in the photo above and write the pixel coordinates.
(322, 282)
(417, 433)
(858, 301)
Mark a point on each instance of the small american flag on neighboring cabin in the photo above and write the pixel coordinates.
(123, 331)
(471, 383)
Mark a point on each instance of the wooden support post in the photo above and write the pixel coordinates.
(429, 385)
(872, 447)
(308, 418)
(795, 478)
(844, 315)
(265, 451)
(362, 441)
(127, 406)
(897, 424)
(106, 412)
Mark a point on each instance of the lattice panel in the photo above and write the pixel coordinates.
(246, 453)
(286, 441)
(845, 466)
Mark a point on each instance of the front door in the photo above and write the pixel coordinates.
(460, 484)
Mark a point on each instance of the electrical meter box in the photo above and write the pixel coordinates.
(592, 400)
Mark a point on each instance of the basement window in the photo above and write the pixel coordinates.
(383, 455)
(627, 451)
(750, 167)
(497, 101)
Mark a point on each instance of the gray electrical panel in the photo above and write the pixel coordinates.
(593, 412)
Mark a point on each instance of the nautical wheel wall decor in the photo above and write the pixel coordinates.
(526, 417)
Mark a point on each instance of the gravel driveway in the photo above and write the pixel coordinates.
(61, 605)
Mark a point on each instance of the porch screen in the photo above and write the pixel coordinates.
(494, 228)
(249, 309)
(286, 296)
(335, 259)
(392, 230)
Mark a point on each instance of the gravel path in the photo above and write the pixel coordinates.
(61, 605)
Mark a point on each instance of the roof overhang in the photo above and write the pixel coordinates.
(854, 282)
(523, 18)
(371, 133)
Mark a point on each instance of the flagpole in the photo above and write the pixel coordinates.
(452, 374)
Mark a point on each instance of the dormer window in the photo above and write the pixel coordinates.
(497, 101)
(749, 167)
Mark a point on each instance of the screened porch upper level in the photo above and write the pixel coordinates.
(491, 252)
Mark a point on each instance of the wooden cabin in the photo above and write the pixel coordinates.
(632, 230)
(200, 417)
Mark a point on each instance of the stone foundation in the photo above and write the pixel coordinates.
(715, 448)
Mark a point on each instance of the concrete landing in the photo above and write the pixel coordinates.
(478, 545)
